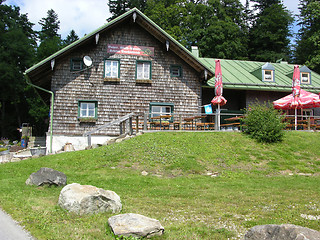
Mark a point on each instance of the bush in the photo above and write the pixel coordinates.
(264, 123)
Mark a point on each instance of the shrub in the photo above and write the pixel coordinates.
(264, 123)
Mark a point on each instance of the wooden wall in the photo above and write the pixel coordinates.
(118, 99)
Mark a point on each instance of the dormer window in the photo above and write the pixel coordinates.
(305, 75)
(268, 76)
(305, 78)
(268, 73)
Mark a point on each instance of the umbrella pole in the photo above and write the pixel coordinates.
(218, 117)
(295, 119)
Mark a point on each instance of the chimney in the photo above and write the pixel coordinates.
(195, 51)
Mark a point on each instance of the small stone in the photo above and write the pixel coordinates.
(144, 173)
(135, 225)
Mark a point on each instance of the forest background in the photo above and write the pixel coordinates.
(259, 30)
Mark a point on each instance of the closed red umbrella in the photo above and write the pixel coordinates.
(218, 99)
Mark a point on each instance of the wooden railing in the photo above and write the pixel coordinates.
(121, 122)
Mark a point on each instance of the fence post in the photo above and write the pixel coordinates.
(89, 140)
(130, 126)
(145, 127)
(137, 124)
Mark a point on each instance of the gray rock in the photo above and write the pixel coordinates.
(281, 232)
(135, 225)
(86, 199)
(47, 176)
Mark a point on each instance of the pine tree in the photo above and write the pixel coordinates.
(118, 7)
(72, 37)
(17, 44)
(50, 40)
(308, 42)
(270, 32)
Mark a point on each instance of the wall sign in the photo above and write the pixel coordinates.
(130, 50)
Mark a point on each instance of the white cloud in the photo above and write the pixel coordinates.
(81, 15)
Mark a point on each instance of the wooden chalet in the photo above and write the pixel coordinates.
(129, 65)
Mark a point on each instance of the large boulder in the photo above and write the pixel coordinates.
(281, 232)
(135, 225)
(47, 176)
(86, 199)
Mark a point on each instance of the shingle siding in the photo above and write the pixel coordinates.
(118, 99)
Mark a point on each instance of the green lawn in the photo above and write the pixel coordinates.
(256, 184)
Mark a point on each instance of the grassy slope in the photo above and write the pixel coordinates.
(253, 186)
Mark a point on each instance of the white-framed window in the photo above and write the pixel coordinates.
(143, 70)
(175, 71)
(76, 64)
(305, 78)
(111, 68)
(160, 109)
(268, 75)
(307, 112)
(87, 109)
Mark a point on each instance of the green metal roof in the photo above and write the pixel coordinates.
(240, 74)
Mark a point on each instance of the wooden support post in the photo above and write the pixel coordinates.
(130, 126)
(145, 120)
(137, 124)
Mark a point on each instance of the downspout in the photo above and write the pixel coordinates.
(51, 107)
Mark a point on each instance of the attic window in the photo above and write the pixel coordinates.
(76, 64)
(268, 76)
(175, 71)
(305, 75)
(268, 72)
(305, 78)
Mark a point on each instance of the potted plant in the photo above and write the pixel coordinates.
(38, 151)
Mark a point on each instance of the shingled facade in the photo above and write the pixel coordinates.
(135, 67)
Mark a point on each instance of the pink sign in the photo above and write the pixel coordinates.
(130, 50)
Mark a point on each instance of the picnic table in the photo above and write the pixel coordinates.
(160, 123)
(234, 122)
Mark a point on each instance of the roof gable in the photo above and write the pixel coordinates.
(139, 18)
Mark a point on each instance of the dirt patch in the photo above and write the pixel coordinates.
(16, 148)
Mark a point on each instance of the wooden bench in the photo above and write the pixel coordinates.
(233, 125)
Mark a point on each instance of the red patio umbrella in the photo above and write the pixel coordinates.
(218, 99)
(299, 98)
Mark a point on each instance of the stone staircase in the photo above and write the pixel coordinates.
(37, 141)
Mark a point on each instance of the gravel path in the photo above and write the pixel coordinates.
(10, 230)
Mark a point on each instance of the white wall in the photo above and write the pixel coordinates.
(78, 142)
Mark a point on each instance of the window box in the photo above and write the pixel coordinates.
(107, 79)
(87, 120)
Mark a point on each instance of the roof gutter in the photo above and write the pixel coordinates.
(264, 85)
(51, 106)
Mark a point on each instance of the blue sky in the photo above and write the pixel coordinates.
(84, 16)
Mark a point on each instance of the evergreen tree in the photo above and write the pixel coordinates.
(118, 7)
(308, 42)
(72, 37)
(17, 47)
(270, 32)
(50, 40)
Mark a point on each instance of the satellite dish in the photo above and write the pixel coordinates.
(87, 61)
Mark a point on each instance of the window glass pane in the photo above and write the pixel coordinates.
(155, 109)
(305, 77)
(111, 68)
(76, 64)
(143, 70)
(87, 109)
(268, 75)
(175, 71)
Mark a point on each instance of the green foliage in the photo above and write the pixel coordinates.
(269, 35)
(72, 37)
(308, 41)
(253, 186)
(264, 123)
